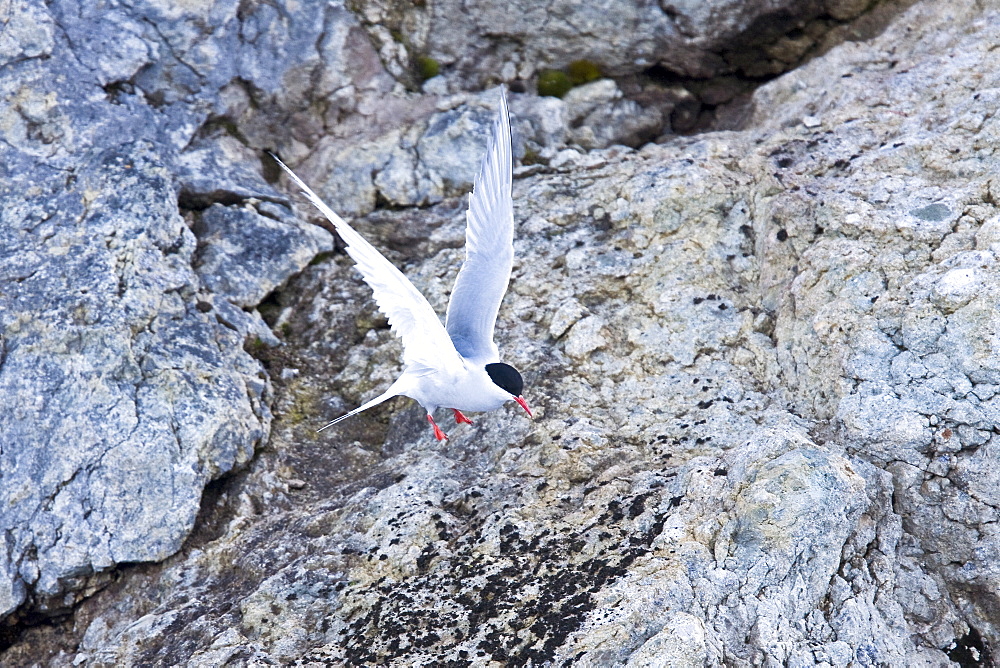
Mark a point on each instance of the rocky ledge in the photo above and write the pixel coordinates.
(764, 357)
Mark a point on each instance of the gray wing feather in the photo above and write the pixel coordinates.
(425, 341)
(489, 249)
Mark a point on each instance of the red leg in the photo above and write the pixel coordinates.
(459, 418)
(438, 434)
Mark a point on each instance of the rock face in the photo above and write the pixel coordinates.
(122, 367)
(764, 363)
(699, 38)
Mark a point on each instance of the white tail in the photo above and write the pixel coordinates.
(389, 394)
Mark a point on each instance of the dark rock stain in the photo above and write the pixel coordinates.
(517, 605)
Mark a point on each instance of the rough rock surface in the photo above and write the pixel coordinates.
(764, 366)
(480, 40)
(122, 371)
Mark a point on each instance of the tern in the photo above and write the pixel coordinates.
(457, 365)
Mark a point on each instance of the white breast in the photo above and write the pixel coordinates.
(467, 389)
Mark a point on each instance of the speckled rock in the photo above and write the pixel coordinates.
(122, 326)
(127, 395)
(385, 145)
(480, 41)
(890, 319)
(764, 374)
(600, 117)
(247, 252)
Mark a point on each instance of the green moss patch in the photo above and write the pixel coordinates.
(554, 83)
(427, 67)
(582, 71)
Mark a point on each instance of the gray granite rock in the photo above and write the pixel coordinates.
(599, 117)
(482, 41)
(377, 134)
(248, 252)
(762, 364)
(126, 396)
(453, 142)
(28, 32)
(122, 361)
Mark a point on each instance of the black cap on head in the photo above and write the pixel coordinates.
(506, 377)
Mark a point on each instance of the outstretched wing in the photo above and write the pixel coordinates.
(425, 341)
(489, 249)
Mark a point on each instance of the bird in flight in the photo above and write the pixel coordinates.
(457, 365)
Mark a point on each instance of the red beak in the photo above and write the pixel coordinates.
(524, 405)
